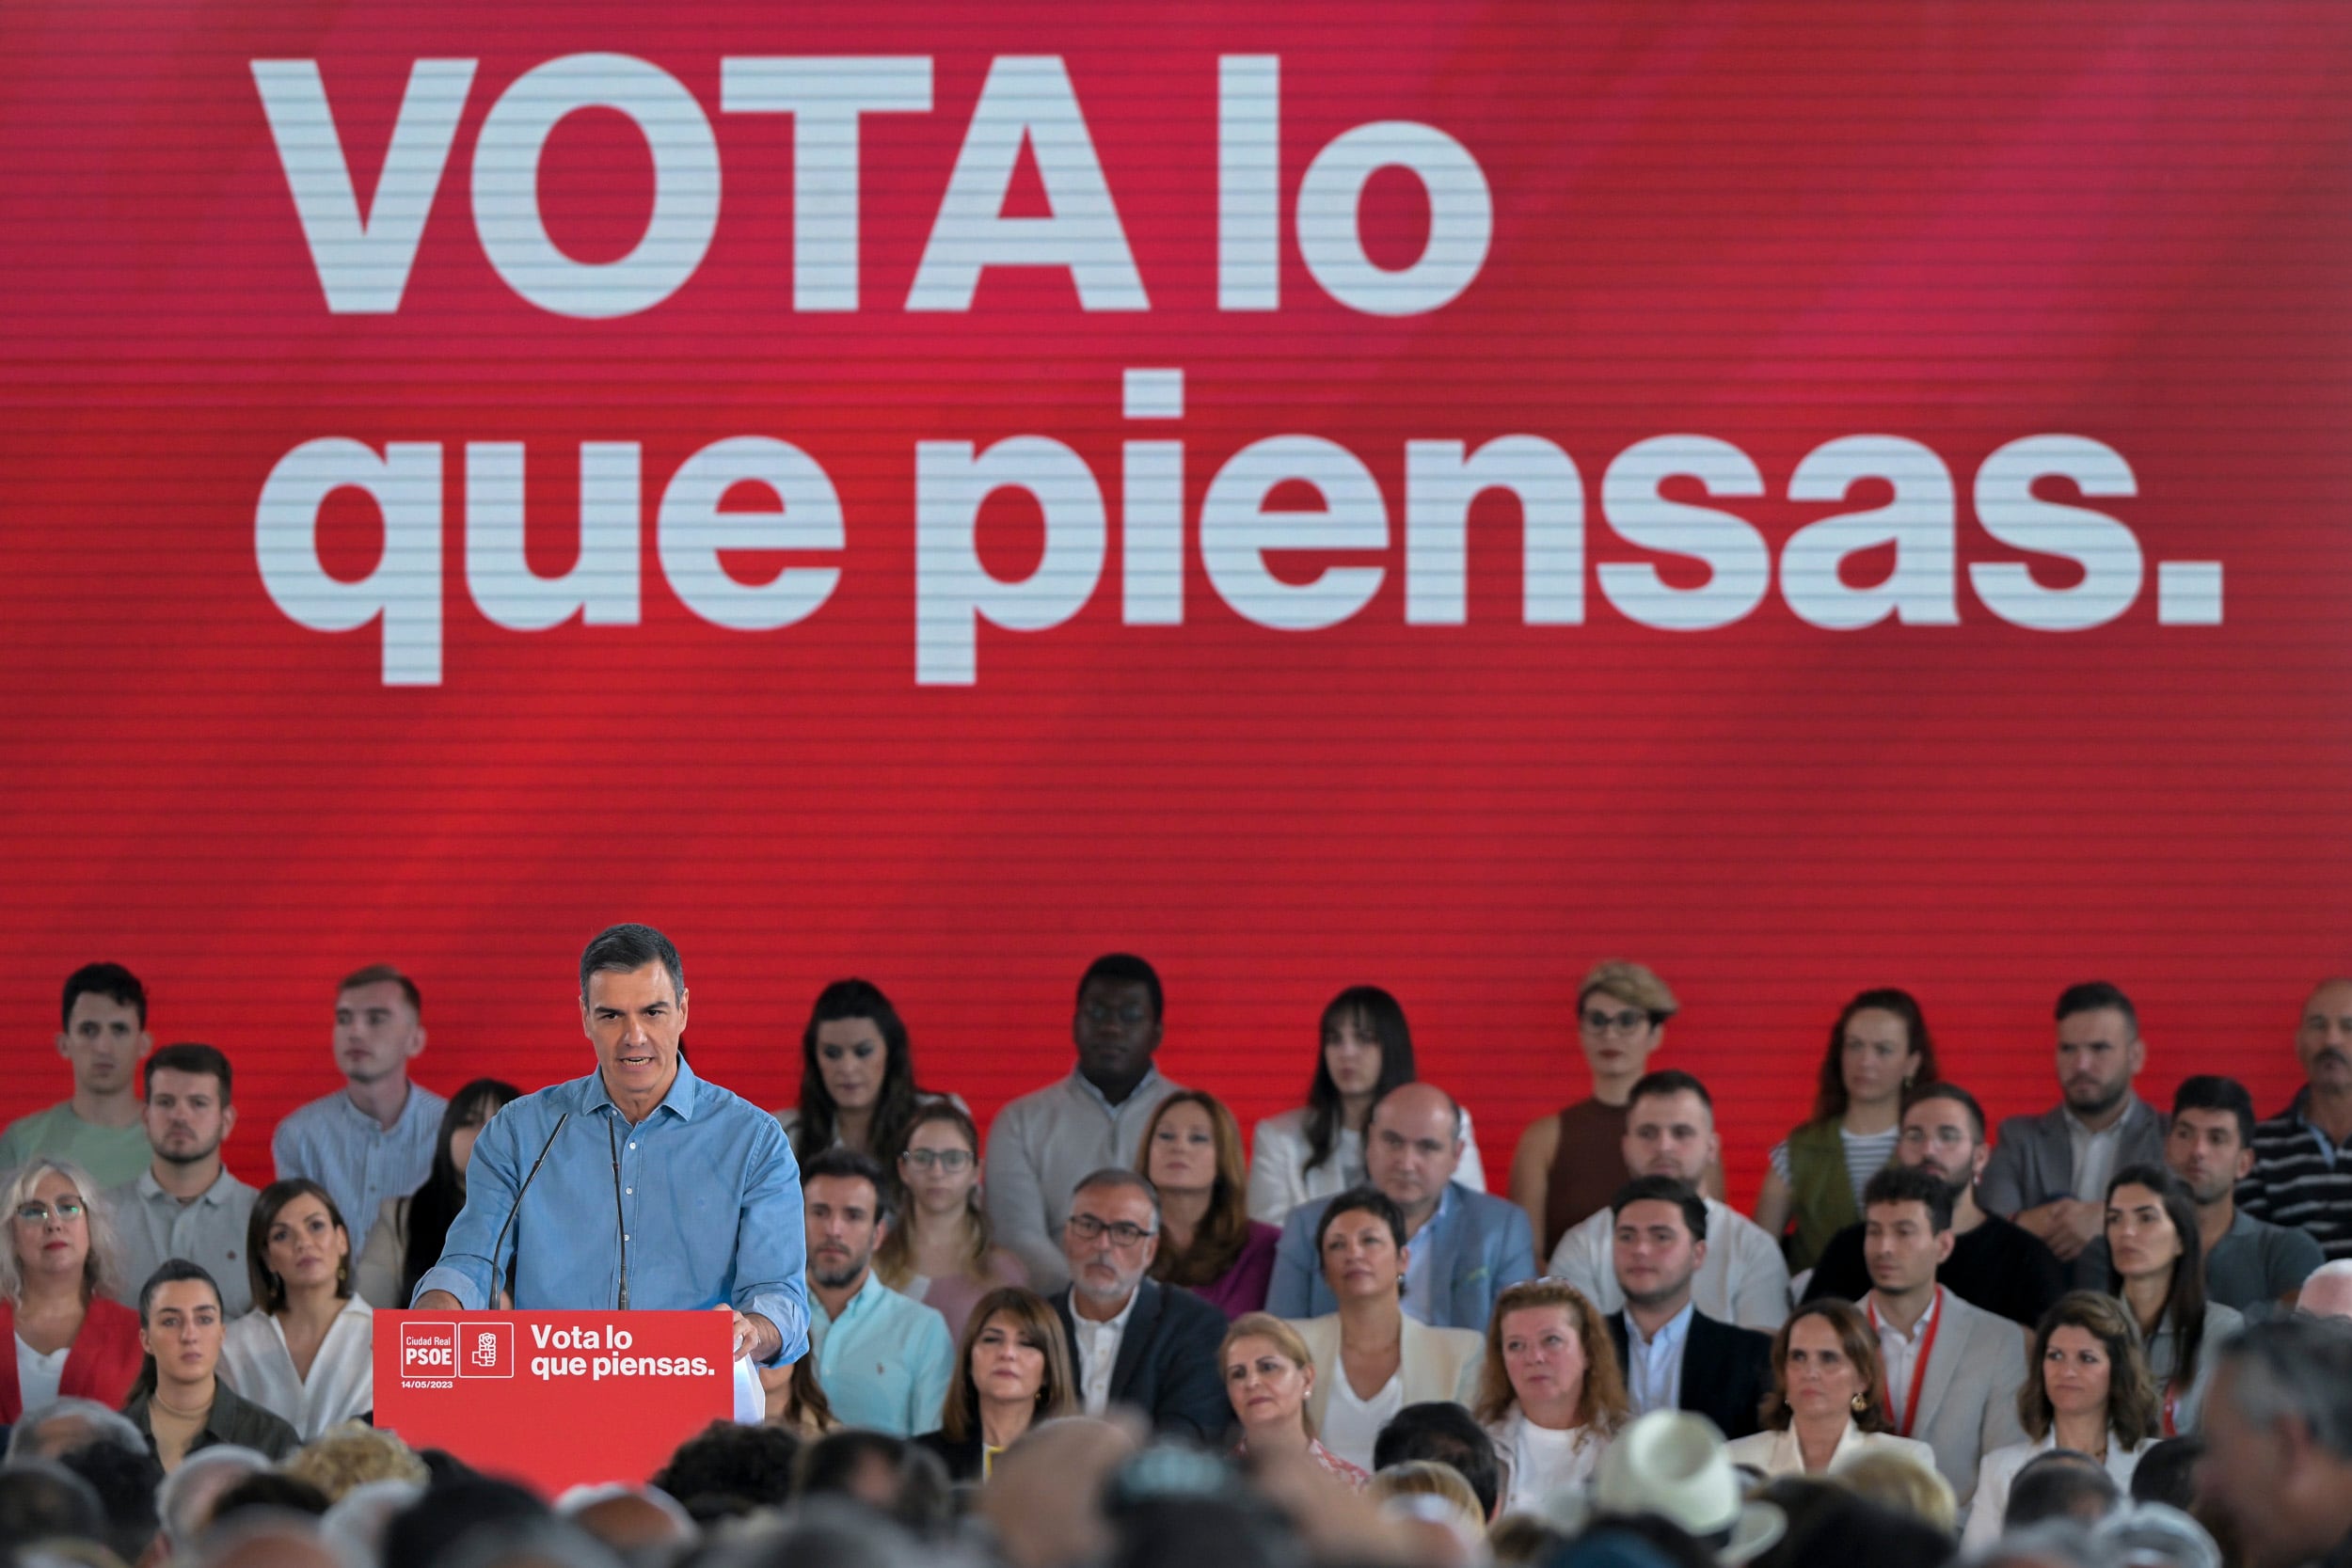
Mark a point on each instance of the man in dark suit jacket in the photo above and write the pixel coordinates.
(1134, 1341)
(1684, 1359)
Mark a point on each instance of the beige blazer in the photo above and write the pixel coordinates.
(1776, 1453)
(1435, 1363)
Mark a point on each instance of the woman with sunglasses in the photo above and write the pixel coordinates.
(69, 1339)
(939, 1252)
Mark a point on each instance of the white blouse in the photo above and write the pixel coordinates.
(1279, 1180)
(37, 1376)
(1777, 1453)
(341, 1384)
(1540, 1461)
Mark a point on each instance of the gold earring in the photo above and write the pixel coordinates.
(1861, 1403)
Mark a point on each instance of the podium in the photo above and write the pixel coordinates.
(553, 1398)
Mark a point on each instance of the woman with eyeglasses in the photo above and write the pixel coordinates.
(1370, 1360)
(939, 1253)
(1208, 1243)
(857, 1075)
(2156, 1264)
(69, 1340)
(1878, 1050)
(1366, 1050)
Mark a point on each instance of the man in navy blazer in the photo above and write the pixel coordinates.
(1462, 1247)
(1133, 1340)
(1716, 1369)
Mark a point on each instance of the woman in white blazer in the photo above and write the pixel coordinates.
(1317, 1150)
(1550, 1393)
(307, 1351)
(2088, 1388)
(1825, 1406)
(1370, 1360)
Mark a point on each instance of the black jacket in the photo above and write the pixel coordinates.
(1726, 1372)
(1167, 1364)
(231, 1419)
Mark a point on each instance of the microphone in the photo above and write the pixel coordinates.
(620, 1219)
(499, 1250)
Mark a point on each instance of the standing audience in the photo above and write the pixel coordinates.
(406, 1240)
(884, 1362)
(102, 1035)
(940, 1251)
(2302, 1172)
(1673, 1355)
(1012, 1370)
(1827, 1404)
(68, 1337)
(2155, 1268)
(1550, 1392)
(1269, 1378)
(179, 1401)
(857, 1076)
(185, 1204)
(1208, 1243)
(307, 1351)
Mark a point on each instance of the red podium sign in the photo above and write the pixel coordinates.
(553, 1398)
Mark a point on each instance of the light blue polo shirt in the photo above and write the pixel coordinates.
(885, 1363)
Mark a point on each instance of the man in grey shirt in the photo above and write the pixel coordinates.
(185, 1204)
(1044, 1144)
(2250, 1265)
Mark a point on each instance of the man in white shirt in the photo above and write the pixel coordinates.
(1952, 1369)
(185, 1204)
(1135, 1341)
(883, 1360)
(1670, 1131)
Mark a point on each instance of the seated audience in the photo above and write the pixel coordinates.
(1549, 1391)
(2251, 1265)
(2049, 1173)
(2278, 1470)
(2302, 1175)
(97, 1128)
(1040, 1144)
(409, 1232)
(2328, 1293)
(1208, 1243)
(1012, 1370)
(41, 1500)
(1133, 1340)
(939, 1250)
(308, 1348)
(1365, 1049)
(177, 1402)
(1827, 1402)
(1417, 1479)
(857, 1076)
(1466, 1245)
(185, 1204)
(728, 1470)
(883, 1361)
(1269, 1376)
(373, 1139)
(1995, 1264)
(1900, 1483)
(1371, 1359)
(69, 1339)
(2060, 1484)
(1443, 1431)
(126, 1480)
(1567, 1165)
(1952, 1371)
(898, 1479)
(354, 1456)
(1674, 1356)
(1676, 1467)
(65, 1424)
(2167, 1472)
(796, 1401)
(2087, 1392)
(1878, 1049)
(1670, 1131)
(2152, 1239)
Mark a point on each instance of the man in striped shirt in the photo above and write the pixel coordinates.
(2303, 1155)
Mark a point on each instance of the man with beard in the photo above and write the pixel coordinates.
(1993, 1264)
(2303, 1156)
(1133, 1340)
(185, 1204)
(2250, 1263)
(1674, 1356)
(2049, 1173)
(885, 1361)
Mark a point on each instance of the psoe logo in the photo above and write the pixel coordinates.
(428, 1352)
(485, 1350)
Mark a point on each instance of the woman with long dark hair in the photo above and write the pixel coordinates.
(179, 1401)
(1012, 1370)
(1879, 1049)
(2087, 1389)
(2157, 1266)
(1318, 1150)
(857, 1075)
(1208, 1243)
(409, 1232)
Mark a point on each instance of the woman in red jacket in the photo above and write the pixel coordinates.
(63, 1337)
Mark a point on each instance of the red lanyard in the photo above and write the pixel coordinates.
(2171, 1407)
(1919, 1362)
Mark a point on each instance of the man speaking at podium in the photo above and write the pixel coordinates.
(640, 1185)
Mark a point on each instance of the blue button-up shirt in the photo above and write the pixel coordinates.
(359, 1161)
(708, 1195)
(1420, 1255)
(1653, 1370)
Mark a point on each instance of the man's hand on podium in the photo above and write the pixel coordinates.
(436, 1301)
(755, 1336)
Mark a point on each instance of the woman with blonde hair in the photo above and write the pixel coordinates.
(1191, 1152)
(940, 1253)
(1012, 1370)
(67, 1339)
(1268, 1376)
(1551, 1392)
(2088, 1388)
(1826, 1406)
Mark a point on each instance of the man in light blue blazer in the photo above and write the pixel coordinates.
(1462, 1247)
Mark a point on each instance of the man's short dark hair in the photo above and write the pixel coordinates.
(40, 1499)
(727, 1470)
(845, 1163)
(110, 980)
(922, 1497)
(1443, 1430)
(1359, 1200)
(2060, 1484)
(624, 948)
(385, 974)
(424, 1534)
(2167, 1472)
(1910, 1185)
(189, 1056)
(1125, 969)
(1672, 1080)
(2090, 996)
(1952, 1092)
(1664, 1189)
(125, 1483)
(2211, 1092)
